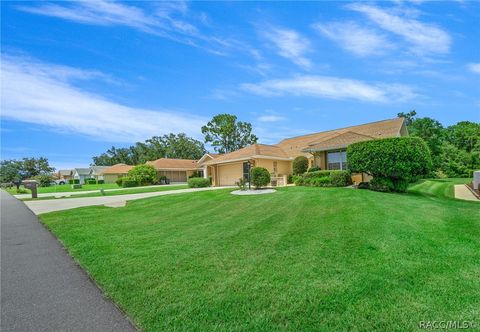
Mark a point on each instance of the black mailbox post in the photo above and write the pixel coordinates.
(32, 185)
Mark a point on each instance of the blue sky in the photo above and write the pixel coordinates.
(79, 77)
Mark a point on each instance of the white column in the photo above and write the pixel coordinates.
(205, 169)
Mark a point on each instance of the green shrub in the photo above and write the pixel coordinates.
(259, 177)
(323, 181)
(290, 179)
(316, 174)
(298, 180)
(241, 184)
(363, 185)
(90, 181)
(101, 181)
(143, 175)
(44, 180)
(398, 159)
(74, 181)
(381, 184)
(198, 183)
(340, 178)
(128, 182)
(195, 174)
(119, 181)
(300, 165)
(314, 169)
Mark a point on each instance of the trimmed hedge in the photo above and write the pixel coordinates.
(90, 181)
(101, 181)
(314, 169)
(300, 165)
(393, 162)
(198, 183)
(128, 182)
(74, 181)
(324, 179)
(259, 176)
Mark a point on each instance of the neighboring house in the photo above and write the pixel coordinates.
(65, 174)
(326, 150)
(81, 174)
(96, 172)
(176, 170)
(112, 173)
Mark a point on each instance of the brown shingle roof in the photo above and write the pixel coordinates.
(168, 163)
(250, 151)
(117, 169)
(337, 141)
(380, 129)
(326, 140)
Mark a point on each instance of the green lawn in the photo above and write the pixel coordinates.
(301, 259)
(136, 190)
(442, 188)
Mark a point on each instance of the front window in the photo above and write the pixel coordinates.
(337, 160)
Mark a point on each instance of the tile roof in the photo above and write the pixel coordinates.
(117, 169)
(331, 139)
(168, 163)
(63, 172)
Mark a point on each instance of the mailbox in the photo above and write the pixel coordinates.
(32, 185)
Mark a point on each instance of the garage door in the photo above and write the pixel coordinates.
(175, 176)
(229, 174)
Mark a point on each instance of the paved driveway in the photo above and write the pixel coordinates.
(44, 206)
(42, 288)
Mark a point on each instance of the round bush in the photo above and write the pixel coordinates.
(198, 182)
(300, 165)
(259, 177)
(399, 159)
(314, 169)
(381, 184)
(144, 175)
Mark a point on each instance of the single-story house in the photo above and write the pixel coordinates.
(81, 174)
(96, 172)
(326, 150)
(64, 174)
(176, 170)
(112, 173)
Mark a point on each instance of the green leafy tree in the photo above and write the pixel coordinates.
(409, 117)
(465, 135)
(11, 170)
(177, 146)
(144, 175)
(227, 134)
(18, 170)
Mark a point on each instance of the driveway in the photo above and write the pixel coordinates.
(50, 205)
(42, 288)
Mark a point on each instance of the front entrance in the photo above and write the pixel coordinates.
(174, 176)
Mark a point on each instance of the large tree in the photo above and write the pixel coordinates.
(26, 168)
(177, 146)
(227, 134)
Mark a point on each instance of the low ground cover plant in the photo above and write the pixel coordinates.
(198, 183)
(393, 162)
(260, 177)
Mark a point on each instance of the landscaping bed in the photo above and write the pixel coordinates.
(305, 258)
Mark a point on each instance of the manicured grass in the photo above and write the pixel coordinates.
(67, 188)
(301, 259)
(136, 190)
(442, 188)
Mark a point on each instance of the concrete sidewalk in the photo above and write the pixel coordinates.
(70, 193)
(462, 192)
(50, 205)
(42, 288)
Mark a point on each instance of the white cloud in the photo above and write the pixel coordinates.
(474, 68)
(424, 38)
(355, 38)
(289, 44)
(332, 88)
(43, 94)
(166, 19)
(270, 118)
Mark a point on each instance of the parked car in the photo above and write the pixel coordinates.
(59, 182)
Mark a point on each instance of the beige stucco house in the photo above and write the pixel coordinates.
(112, 173)
(176, 170)
(326, 150)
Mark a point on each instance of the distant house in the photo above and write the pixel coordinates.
(112, 173)
(81, 174)
(96, 172)
(176, 170)
(65, 174)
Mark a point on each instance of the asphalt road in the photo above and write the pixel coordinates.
(42, 288)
